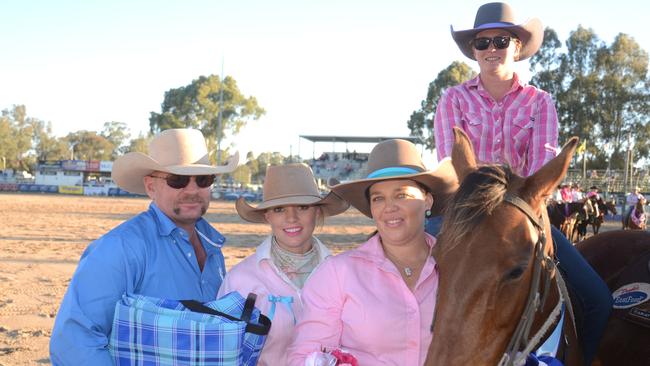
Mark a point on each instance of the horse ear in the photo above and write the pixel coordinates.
(462, 154)
(541, 184)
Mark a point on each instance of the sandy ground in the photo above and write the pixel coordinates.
(44, 236)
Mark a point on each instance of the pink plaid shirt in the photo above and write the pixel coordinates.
(521, 130)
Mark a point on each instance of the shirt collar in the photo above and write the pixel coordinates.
(478, 85)
(166, 226)
(263, 251)
(373, 251)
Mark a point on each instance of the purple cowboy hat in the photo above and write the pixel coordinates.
(501, 16)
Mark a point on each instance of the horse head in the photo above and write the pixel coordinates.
(485, 254)
(611, 206)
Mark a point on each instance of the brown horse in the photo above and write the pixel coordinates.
(604, 208)
(498, 283)
(565, 216)
(609, 253)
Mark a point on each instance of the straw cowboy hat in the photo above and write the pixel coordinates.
(180, 151)
(291, 184)
(501, 16)
(396, 159)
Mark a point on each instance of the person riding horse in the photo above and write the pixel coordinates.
(593, 209)
(631, 200)
(638, 218)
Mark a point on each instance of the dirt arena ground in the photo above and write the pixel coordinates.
(44, 236)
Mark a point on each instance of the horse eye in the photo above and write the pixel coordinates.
(515, 273)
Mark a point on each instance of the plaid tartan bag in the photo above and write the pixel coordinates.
(229, 331)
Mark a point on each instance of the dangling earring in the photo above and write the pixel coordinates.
(427, 213)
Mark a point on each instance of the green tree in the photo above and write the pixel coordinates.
(624, 98)
(421, 121)
(7, 149)
(197, 105)
(46, 145)
(601, 92)
(139, 144)
(118, 134)
(253, 164)
(242, 175)
(264, 160)
(16, 133)
(88, 145)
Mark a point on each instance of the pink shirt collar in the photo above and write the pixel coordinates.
(477, 84)
(373, 251)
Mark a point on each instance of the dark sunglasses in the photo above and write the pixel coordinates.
(500, 42)
(181, 181)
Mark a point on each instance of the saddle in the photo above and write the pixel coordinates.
(632, 294)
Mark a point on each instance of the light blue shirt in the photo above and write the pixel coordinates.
(146, 255)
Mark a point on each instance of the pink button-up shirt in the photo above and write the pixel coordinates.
(520, 130)
(358, 301)
(257, 273)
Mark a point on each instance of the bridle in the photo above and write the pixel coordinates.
(521, 344)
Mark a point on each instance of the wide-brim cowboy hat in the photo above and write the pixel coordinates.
(396, 159)
(501, 16)
(180, 151)
(290, 185)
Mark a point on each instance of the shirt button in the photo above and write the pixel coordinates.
(498, 140)
(189, 255)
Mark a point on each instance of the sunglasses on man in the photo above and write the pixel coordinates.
(181, 181)
(499, 42)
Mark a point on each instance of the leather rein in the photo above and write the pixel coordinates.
(521, 344)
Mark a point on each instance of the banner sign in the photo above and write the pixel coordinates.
(74, 165)
(71, 189)
(105, 166)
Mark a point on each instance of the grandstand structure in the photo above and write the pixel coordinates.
(341, 163)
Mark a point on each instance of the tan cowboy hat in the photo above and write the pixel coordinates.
(396, 159)
(180, 151)
(501, 16)
(291, 184)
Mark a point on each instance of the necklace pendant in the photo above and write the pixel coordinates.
(408, 271)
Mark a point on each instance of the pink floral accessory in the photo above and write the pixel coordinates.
(336, 357)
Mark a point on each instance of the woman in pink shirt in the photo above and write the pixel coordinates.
(507, 120)
(513, 123)
(292, 206)
(376, 301)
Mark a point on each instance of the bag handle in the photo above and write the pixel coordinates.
(262, 328)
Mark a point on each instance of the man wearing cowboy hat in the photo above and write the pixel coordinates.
(169, 251)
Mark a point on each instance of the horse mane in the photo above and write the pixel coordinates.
(478, 195)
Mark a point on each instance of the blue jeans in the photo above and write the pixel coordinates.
(593, 294)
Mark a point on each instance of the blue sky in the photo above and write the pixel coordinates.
(317, 67)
